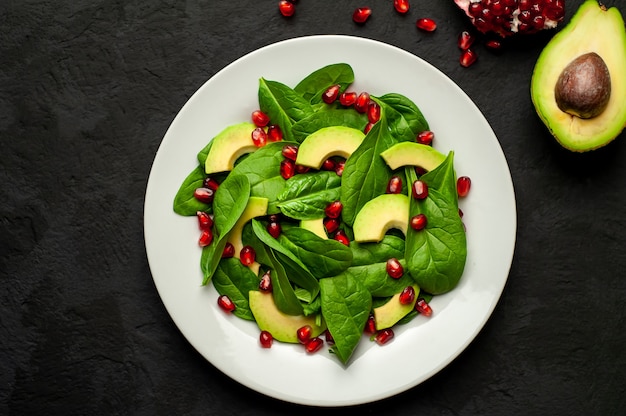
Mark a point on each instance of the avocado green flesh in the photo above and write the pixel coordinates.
(412, 154)
(315, 226)
(327, 142)
(256, 207)
(592, 29)
(379, 215)
(230, 144)
(387, 315)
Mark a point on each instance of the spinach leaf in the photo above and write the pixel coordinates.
(235, 280)
(210, 258)
(184, 201)
(283, 105)
(376, 280)
(306, 196)
(346, 306)
(436, 255)
(404, 117)
(328, 117)
(312, 87)
(368, 253)
(202, 154)
(229, 203)
(284, 294)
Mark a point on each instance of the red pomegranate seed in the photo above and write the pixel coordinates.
(407, 296)
(333, 210)
(247, 256)
(465, 40)
(422, 307)
(274, 229)
(341, 236)
(226, 304)
(287, 168)
(328, 164)
(274, 133)
(463, 184)
(384, 336)
(419, 189)
(259, 118)
(394, 268)
(259, 137)
(368, 127)
(302, 169)
(329, 338)
(401, 6)
(468, 57)
(339, 167)
(370, 325)
(304, 334)
(314, 345)
(419, 171)
(493, 44)
(286, 8)
(290, 152)
(229, 251)
(394, 186)
(418, 222)
(331, 225)
(211, 184)
(266, 339)
(461, 213)
(347, 98)
(206, 238)
(362, 102)
(425, 137)
(205, 195)
(205, 220)
(361, 14)
(426, 24)
(373, 112)
(330, 95)
(265, 284)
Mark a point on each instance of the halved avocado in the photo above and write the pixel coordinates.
(593, 30)
(327, 142)
(380, 214)
(230, 144)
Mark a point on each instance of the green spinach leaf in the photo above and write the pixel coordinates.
(283, 105)
(235, 280)
(368, 253)
(328, 117)
(184, 201)
(404, 117)
(312, 87)
(376, 280)
(306, 196)
(229, 203)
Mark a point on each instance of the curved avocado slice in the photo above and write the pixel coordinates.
(593, 29)
(327, 142)
(390, 313)
(230, 144)
(256, 207)
(316, 226)
(283, 327)
(412, 154)
(380, 214)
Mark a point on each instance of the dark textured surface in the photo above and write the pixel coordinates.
(87, 91)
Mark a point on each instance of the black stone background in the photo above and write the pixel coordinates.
(87, 91)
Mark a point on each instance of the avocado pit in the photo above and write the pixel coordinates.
(583, 88)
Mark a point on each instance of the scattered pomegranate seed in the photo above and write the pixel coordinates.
(304, 334)
(394, 186)
(463, 184)
(290, 152)
(407, 296)
(384, 336)
(287, 168)
(401, 6)
(341, 236)
(361, 14)
(422, 307)
(373, 112)
(419, 189)
(368, 127)
(205, 220)
(259, 137)
(328, 164)
(426, 24)
(330, 95)
(211, 183)
(314, 345)
(419, 171)
(331, 225)
(229, 251)
(259, 118)
(247, 256)
(461, 213)
(425, 137)
(418, 222)
(347, 98)
(265, 284)
(206, 238)
(329, 338)
(465, 40)
(274, 133)
(333, 210)
(274, 229)
(370, 325)
(302, 169)
(339, 167)
(226, 304)
(205, 195)
(286, 8)
(266, 339)
(468, 57)
(394, 268)
(362, 102)
(493, 44)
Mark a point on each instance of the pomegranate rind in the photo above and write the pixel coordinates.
(390, 313)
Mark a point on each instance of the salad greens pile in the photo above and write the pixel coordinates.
(314, 276)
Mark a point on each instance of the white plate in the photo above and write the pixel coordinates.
(420, 349)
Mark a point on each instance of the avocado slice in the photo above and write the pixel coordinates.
(316, 226)
(387, 315)
(283, 327)
(593, 30)
(380, 214)
(228, 146)
(412, 154)
(327, 142)
(256, 207)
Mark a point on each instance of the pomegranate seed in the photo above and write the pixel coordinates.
(407, 296)
(341, 236)
(394, 186)
(362, 102)
(425, 137)
(287, 168)
(368, 127)
(384, 336)
(361, 14)
(401, 6)
(466, 40)
(468, 57)
(314, 345)
(419, 171)
(206, 238)
(259, 118)
(247, 256)
(302, 169)
(339, 167)
(211, 184)
(328, 164)
(274, 133)
(205, 195)
(266, 339)
(304, 334)
(265, 284)
(226, 304)
(461, 213)
(347, 98)
(330, 95)
(419, 189)
(333, 210)
(329, 338)
(394, 268)
(259, 137)
(290, 152)
(493, 44)
(205, 221)
(331, 225)
(463, 184)
(422, 307)
(370, 325)
(426, 24)
(229, 251)
(418, 222)
(373, 112)
(286, 8)
(274, 229)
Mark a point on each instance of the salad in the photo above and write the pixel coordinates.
(328, 215)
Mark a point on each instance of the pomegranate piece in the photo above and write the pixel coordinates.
(205, 220)
(347, 99)
(229, 251)
(247, 256)
(333, 210)
(418, 222)
(384, 336)
(425, 137)
(407, 296)
(361, 14)
(205, 195)
(401, 6)
(493, 44)
(266, 339)
(302, 169)
(329, 338)
(287, 168)
(468, 57)
(259, 137)
(370, 325)
(394, 186)
(274, 133)
(419, 189)
(286, 8)
(463, 185)
(259, 118)
(304, 334)
(373, 112)
(465, 40)
(394, 268)
(362, 102)
(274, 229)
(211, 184)
(206, 238)
(330, 95)
(426, 24)
(314, 345)
(368, 127)
(265, 284)
(339, 167)
(290, 152)
(422, 307)
(328, 164)
(226, 303)
(331, 225)
(341, 236)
